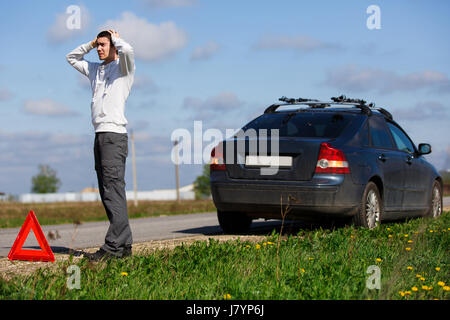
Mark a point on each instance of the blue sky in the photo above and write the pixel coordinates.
(221, 62)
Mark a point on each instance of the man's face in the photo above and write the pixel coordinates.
(104, 48)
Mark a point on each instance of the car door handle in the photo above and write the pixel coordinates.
(382, 157)
(408, 160)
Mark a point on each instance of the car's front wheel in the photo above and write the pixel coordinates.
(371, 208)
(436, 201)
(233, 222)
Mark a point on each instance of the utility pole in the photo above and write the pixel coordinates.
(133, 161)
(176, 170)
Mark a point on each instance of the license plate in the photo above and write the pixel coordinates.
(268, 161)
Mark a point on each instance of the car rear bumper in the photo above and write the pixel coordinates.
(324, 194)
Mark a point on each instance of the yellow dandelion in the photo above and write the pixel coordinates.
(441, 283)
(124, 274)
(388, 229)
(378, 260)
(401, 293)
(424, 287)
(408, 292)
(410, 241)
(268, 242)
(247, 246)
(414, 289)
(303, 270)
(390, 236)
(265, 244)
(258, 246)
(446, 288)
(227, 296)
(422, 279)
(431, 231)
(406, 236)
(408, 248)
(437, 269)
(418, 276)
(409, 268)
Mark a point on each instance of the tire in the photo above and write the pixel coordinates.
(233, 222)
(436, 204)
(371, 208)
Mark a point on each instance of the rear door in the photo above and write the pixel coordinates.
(390, 161)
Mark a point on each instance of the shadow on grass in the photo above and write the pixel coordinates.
(291, 227)
(261, 227)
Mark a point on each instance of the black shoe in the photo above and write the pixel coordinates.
(126, 252)
(100, 255)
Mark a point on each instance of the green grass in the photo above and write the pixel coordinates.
(313, 264)
(14, 214)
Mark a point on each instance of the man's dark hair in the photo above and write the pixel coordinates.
(105, 34)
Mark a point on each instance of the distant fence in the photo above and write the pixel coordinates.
(95, 196)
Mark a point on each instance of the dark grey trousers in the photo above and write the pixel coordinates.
(110, 152)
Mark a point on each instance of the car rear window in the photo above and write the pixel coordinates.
(303, 124)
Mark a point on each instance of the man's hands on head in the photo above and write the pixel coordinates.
(114, 33)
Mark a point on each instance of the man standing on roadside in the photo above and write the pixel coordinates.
(111, 83)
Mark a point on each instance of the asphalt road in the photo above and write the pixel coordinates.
(92, 234)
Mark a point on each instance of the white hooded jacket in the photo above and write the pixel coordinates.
(110, 83)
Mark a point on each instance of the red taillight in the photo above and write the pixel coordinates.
(331, 160)
(217, 163)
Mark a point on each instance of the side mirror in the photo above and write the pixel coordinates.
(424, 148)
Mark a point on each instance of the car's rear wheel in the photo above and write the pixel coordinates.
(371, 208)
(436, 201)
(233, 222)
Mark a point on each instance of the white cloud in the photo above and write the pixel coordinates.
(216, 104)
(59, 32)
(30, 147)
(224, 110)
(422, 111)
(145, 84)
(359, 79)
(71, 155)
(170, 3)
(205, 52)
(5, 94)
(151, 42)
(299, 43)
(47, 107)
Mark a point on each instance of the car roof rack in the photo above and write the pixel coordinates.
(342, 100)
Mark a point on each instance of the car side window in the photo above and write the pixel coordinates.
(364, 135)
(379, 135)
(401, 139)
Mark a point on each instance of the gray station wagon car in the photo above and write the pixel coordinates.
(342, 158)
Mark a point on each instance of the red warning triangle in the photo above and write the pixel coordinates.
(17, 253)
